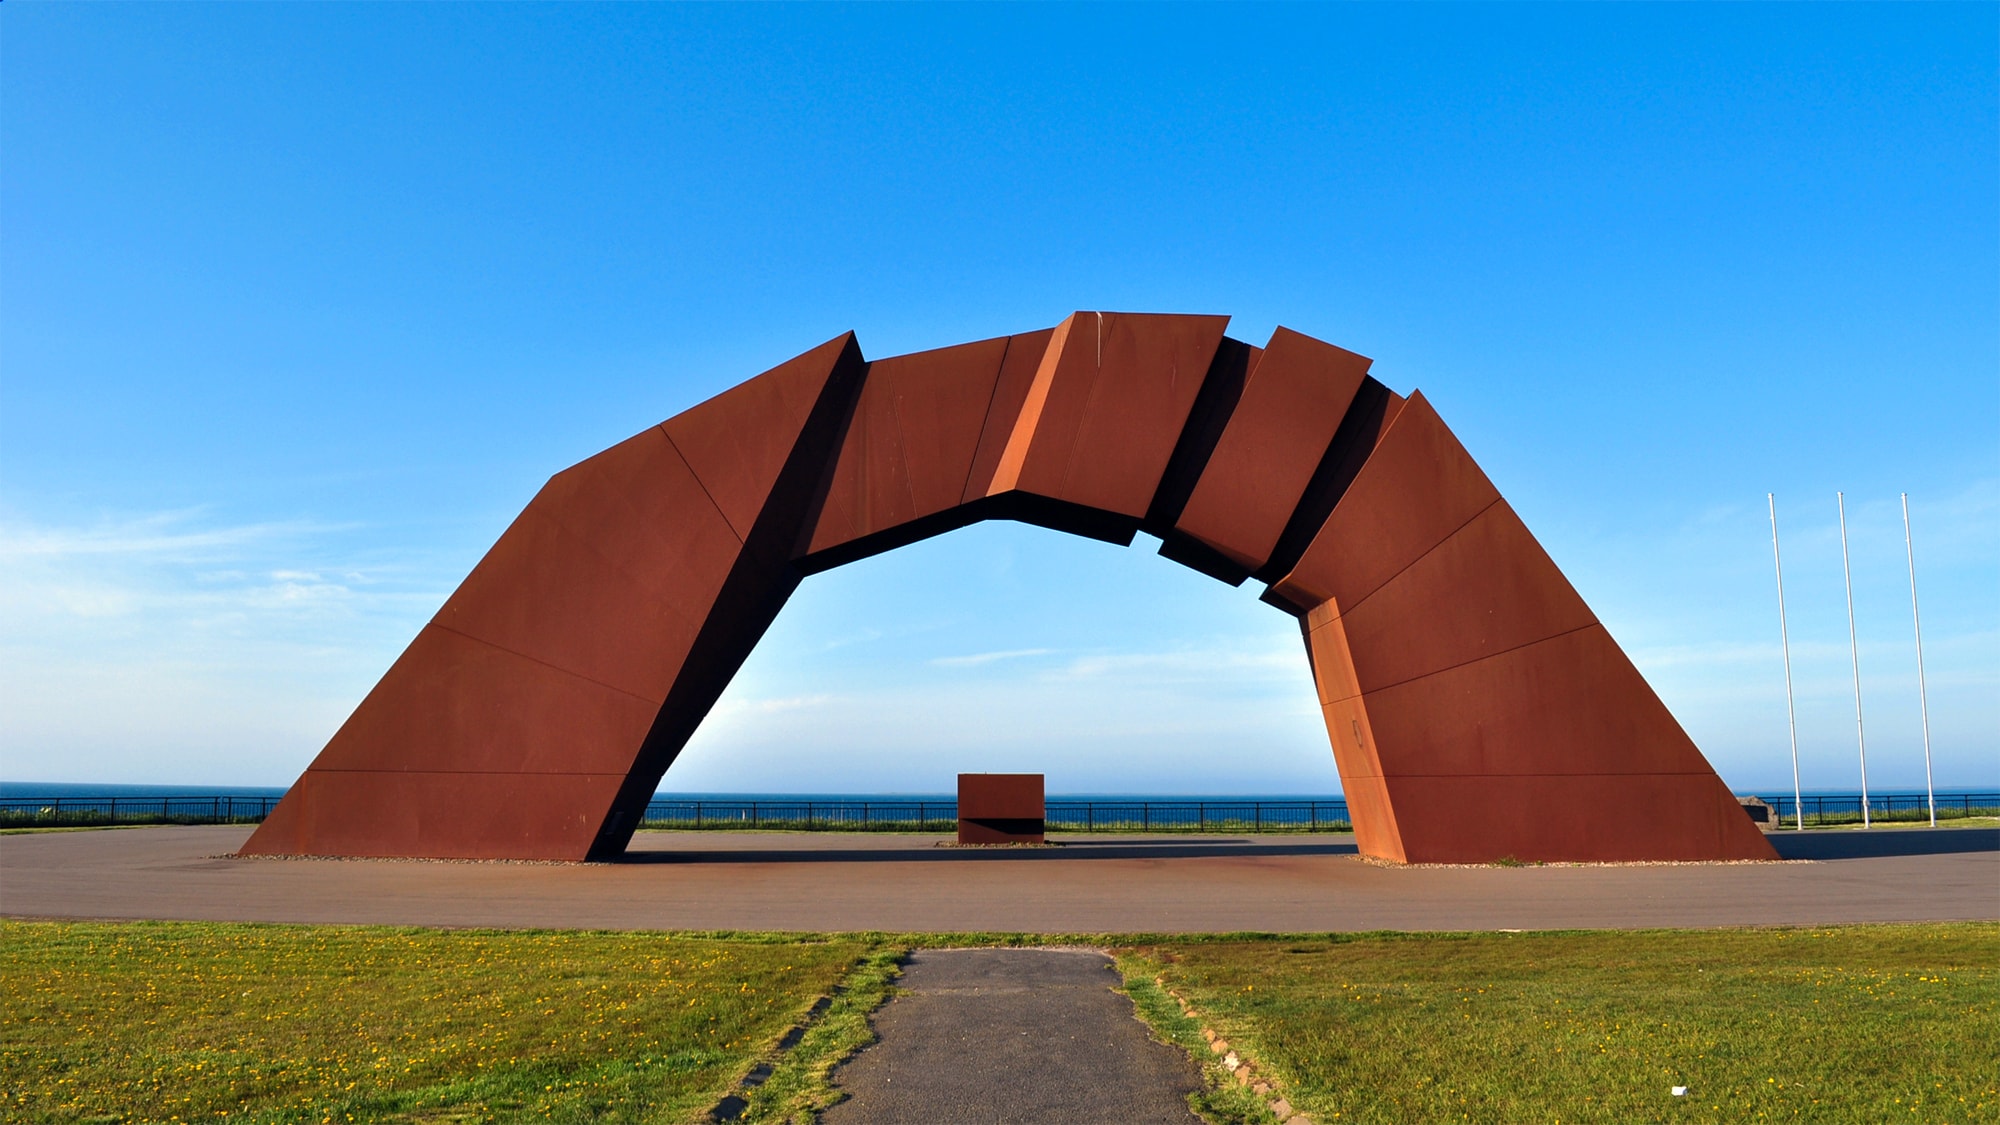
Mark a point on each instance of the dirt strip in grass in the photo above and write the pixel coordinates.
(1850, 1024)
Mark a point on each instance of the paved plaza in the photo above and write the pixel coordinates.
(1086, 884)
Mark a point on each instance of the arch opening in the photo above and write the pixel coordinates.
(1475, 707)
(1007, 648)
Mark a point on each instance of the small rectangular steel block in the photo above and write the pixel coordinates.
(1000, 808)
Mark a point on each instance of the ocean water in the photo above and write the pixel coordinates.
(16, 790)
(21, 789)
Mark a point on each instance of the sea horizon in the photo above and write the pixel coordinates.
(19, 790)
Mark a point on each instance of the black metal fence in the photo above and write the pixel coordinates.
(91, 812)
(1061, 815)
(1198, 816)
(1845, 808)
(916, 815)
(837, 814)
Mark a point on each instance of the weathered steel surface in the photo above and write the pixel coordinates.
(1476, 708)
(1000, 808)
(1292, 403)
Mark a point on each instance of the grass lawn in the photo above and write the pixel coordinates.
(197, 1022)
(1862, 1023)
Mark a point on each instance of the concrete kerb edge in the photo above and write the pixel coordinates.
(1240, 1067)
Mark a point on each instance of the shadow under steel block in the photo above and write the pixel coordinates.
(1476, 708)
(1001, 808)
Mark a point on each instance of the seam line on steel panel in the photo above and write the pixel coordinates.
(552, 667)
(1428, 551)
(1028, 417)
(1598, 773)
(902, 443)
(589, 545)
(1083, 413)
(985, 420)
(701, 484)
(1474, 660)
(480, 773)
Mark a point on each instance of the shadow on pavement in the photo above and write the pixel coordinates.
(1876, 843)
(1076, 850)
(1821, 845)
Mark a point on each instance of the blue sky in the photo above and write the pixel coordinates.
(299, 304)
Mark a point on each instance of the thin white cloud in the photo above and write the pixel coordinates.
(133, 643)
(861, 638)
(978, 658)
(1285, 662)
(170, 567)
(792, 703)
(159, 534)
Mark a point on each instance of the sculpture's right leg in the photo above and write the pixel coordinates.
(1477, 708)
(533, 716)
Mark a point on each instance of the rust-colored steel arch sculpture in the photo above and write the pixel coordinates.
(1476, 708)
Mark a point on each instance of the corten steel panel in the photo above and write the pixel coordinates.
(1474, 657)
(1327, 653)
(1368, 418)
(1370, 809)
(639, 504)
(738, 441)
(587, 655)
(597, 583)
(942, 398)
(1487, 589)
(868, 487)
(1350, 734)
(557, 599)
(647, 508)
(1001, 794)
(1107, 407)
(609, 572)
(1025, 427)
(451, 703)
(1417, 488)
(766, 572)
(438, 815)
(1000, 808)
(1293, 401)
(1214, 405)
(1468, 693)
(745, 608)
(1010, 391)
(1580, 818)
(910, 445)
(1572, 704)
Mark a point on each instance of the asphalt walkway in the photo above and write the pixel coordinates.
(992, 1036)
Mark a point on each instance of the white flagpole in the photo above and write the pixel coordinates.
(1785, 641)
(1854, 651)
(1923, 697)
